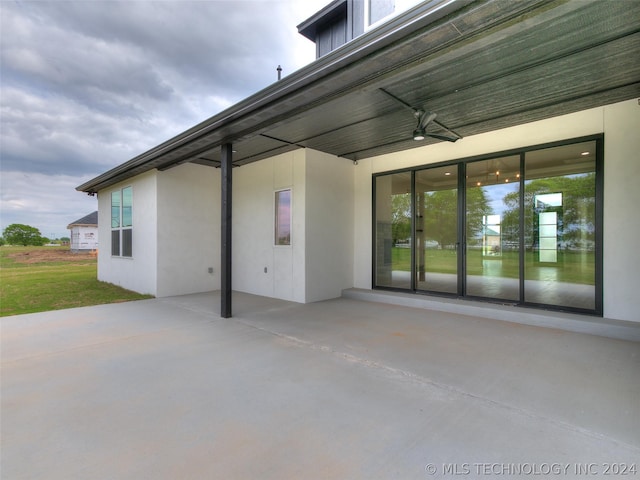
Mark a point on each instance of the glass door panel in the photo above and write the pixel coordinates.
(436, 229)
(393, 230)
(493, 228)
(560, 226)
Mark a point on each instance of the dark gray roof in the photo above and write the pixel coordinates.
(480, 65)
(87, 220)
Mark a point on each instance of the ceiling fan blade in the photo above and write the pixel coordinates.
(426, 118)
(446, 138)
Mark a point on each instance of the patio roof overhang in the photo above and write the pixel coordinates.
(480, 65)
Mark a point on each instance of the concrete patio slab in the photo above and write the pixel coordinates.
(165, 388)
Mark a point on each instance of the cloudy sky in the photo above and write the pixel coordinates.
(87, 85)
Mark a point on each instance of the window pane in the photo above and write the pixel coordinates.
(393, 230)
(560, 221)
(437, 229)
(493, 228)
(283, 218)
(115, 209)
(115, 243)
(378, 9)
(127, 242)
(127, 199)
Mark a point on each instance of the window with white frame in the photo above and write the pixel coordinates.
(122, 222)
(283, 217)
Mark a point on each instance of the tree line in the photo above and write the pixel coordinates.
(25, 235)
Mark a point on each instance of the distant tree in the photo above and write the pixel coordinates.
(441, 214)
(576, 215)
(2, 241)
(18, 234)
(65, 239)
(400, 217)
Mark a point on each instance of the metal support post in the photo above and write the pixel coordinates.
(225, 228)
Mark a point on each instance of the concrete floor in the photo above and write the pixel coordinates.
(345, 389)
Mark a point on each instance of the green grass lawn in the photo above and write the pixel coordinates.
(570, 268)
(38, 279)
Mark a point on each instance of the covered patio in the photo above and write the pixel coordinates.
(345, 388)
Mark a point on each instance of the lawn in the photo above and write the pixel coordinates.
(38, 279)
(571, 267)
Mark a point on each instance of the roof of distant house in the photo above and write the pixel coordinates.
(90, 220)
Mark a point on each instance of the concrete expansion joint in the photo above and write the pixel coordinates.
(442, 390)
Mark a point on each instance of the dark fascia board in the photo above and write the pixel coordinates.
(370, 42)
(309, 27)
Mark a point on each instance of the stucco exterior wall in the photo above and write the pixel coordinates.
(188, 233)
(621, 217)
(138, 273)
(259, 266)
(619, 122)
(329, 225)
(318, 263)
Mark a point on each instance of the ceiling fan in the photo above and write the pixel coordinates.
(424, 119)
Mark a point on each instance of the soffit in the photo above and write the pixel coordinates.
(489, 65)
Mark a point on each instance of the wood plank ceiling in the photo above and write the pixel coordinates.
(488, 65)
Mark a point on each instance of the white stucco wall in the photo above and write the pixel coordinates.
(138, 273)
(621, 261)
(619, 122)
(329, 225)
(253, 249)
(188, 233)
(318, 263)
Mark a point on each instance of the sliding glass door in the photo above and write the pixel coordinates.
(522, 228)
(436, 229)
(393, 230)
(560, 226)
(493, 228)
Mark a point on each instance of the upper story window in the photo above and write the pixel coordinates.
(122, 222)
(378, 11)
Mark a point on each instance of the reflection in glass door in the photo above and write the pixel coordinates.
(393, 230)
(492, 228)
(560, 226)
(436, 229)
(525, 227)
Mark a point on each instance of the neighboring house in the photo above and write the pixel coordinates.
(84, 233)
(542, 98)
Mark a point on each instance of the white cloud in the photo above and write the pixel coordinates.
(47, 202)
(88, 85)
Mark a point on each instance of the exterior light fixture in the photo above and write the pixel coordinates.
(584, 154)
(419, 134)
